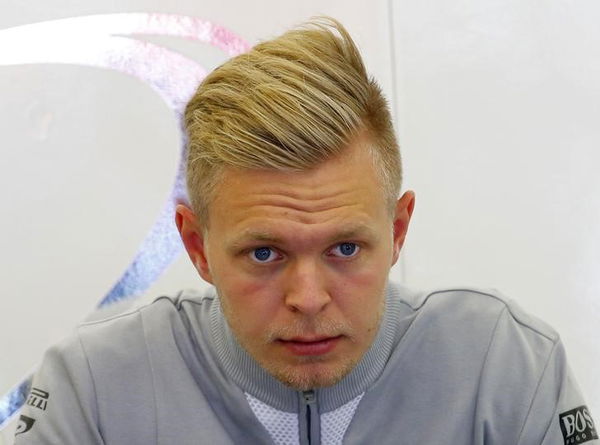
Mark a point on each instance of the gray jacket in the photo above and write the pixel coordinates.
(456, 366)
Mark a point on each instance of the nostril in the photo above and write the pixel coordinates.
(308, 303)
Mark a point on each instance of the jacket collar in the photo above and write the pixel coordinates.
(254, 380)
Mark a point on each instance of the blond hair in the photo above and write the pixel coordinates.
(288, 104)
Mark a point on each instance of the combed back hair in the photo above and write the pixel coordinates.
(288, 104)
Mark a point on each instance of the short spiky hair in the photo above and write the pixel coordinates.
(288, 104)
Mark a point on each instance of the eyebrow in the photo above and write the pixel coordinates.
(358, 230)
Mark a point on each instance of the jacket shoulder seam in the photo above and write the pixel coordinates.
(127, 314)
(152, 371)
(93, 381)
(535, 393)
(554, 339)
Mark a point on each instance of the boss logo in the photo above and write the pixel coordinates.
(577, 426)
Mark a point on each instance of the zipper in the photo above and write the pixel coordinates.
(309, 399)
(309, 418)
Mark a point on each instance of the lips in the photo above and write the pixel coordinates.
(309, 339)
(310, 345)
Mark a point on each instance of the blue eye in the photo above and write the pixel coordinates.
(345, 250)
(263, 255)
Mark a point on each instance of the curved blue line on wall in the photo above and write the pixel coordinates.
(173, 76)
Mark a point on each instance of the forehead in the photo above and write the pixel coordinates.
(342, 191)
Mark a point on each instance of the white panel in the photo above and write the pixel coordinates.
(498, 106)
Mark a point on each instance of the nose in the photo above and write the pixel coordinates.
(305, 288)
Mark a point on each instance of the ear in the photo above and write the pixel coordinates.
(404, 211)
(193, 237)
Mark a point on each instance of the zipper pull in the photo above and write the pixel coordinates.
(309, 397)
(309, 417)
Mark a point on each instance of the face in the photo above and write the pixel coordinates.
(300, 261)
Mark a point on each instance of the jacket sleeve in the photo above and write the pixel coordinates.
(61, 407)
(558, 413)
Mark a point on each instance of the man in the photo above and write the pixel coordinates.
(294, 217)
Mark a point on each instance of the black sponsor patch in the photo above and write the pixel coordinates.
(577, 426)
(25, 424)
(38, 398)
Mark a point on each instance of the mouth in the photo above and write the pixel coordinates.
(304, 346)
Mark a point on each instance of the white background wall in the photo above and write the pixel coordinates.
(497, 107)
(499, 118)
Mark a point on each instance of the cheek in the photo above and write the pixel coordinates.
(367, 280)
(251, 304)
(360, 295)
(361, 304)
(249, 290)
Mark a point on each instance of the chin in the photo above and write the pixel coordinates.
(311, 375)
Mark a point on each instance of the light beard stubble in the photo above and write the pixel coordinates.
(296, 376)
(310, 372)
